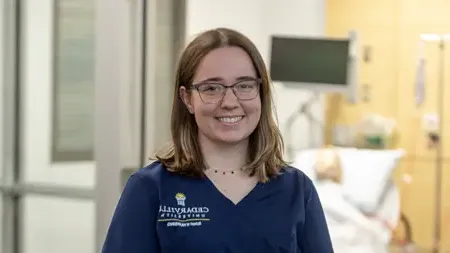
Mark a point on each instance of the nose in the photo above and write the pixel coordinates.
(229, 101)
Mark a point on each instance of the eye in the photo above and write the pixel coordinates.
(246, 86)
(210, 87)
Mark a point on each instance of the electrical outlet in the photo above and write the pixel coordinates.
(430, 122)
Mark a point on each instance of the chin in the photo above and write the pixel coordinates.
(231, 139)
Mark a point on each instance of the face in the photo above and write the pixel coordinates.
(228, 120)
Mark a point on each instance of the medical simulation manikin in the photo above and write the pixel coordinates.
(350, 229)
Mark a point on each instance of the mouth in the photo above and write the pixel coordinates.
(230, 120)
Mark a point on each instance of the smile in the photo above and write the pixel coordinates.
(230, 120)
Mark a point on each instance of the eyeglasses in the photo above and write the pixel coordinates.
(213, 93)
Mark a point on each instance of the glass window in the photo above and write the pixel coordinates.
(73, 106)
(47, 228)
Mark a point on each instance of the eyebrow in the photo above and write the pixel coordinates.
(219, 79)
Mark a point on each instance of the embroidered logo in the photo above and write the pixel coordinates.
(180, 215)
(181, 198)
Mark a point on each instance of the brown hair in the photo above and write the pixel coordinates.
(183, 155)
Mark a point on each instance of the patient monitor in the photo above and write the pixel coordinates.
(319, 64)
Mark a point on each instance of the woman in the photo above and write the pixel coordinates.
(222, 186)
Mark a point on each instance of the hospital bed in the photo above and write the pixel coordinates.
(364, 208)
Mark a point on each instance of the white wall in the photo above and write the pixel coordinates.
(259, 19)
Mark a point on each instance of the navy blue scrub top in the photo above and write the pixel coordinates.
(162, 212)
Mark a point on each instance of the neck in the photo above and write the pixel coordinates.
(223, 157)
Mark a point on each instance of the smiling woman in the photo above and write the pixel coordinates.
(221, 77)
(222, 184)
(225, 107)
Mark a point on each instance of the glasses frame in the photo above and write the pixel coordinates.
(197, 86)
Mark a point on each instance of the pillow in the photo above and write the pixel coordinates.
(367, 174)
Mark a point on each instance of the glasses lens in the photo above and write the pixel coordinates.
(246, 90)
(211, 92)
(214, 92)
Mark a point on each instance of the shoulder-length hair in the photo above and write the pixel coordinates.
(184, 155)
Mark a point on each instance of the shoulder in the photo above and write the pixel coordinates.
(150, 176)
(292, 175)
(152, 172)
(295, 181)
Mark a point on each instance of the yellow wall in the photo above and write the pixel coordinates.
(391, 29)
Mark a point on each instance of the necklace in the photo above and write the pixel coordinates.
(229, 172)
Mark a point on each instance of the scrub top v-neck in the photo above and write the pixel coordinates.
(162, 212)
(214, 190)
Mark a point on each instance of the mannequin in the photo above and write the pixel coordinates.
(328, 165)
(351, 231)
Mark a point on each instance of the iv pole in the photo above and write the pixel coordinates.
(441, 39)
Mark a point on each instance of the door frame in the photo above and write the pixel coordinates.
(147, 20)
(10, 118)
(12, 188)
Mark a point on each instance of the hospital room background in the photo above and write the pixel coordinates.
(85, 99)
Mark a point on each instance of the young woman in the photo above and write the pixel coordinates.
(222, 185)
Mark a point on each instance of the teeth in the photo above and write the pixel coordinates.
(230, 119)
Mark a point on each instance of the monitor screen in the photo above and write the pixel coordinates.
(307, 60)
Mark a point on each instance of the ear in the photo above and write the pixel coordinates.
(186, 97)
